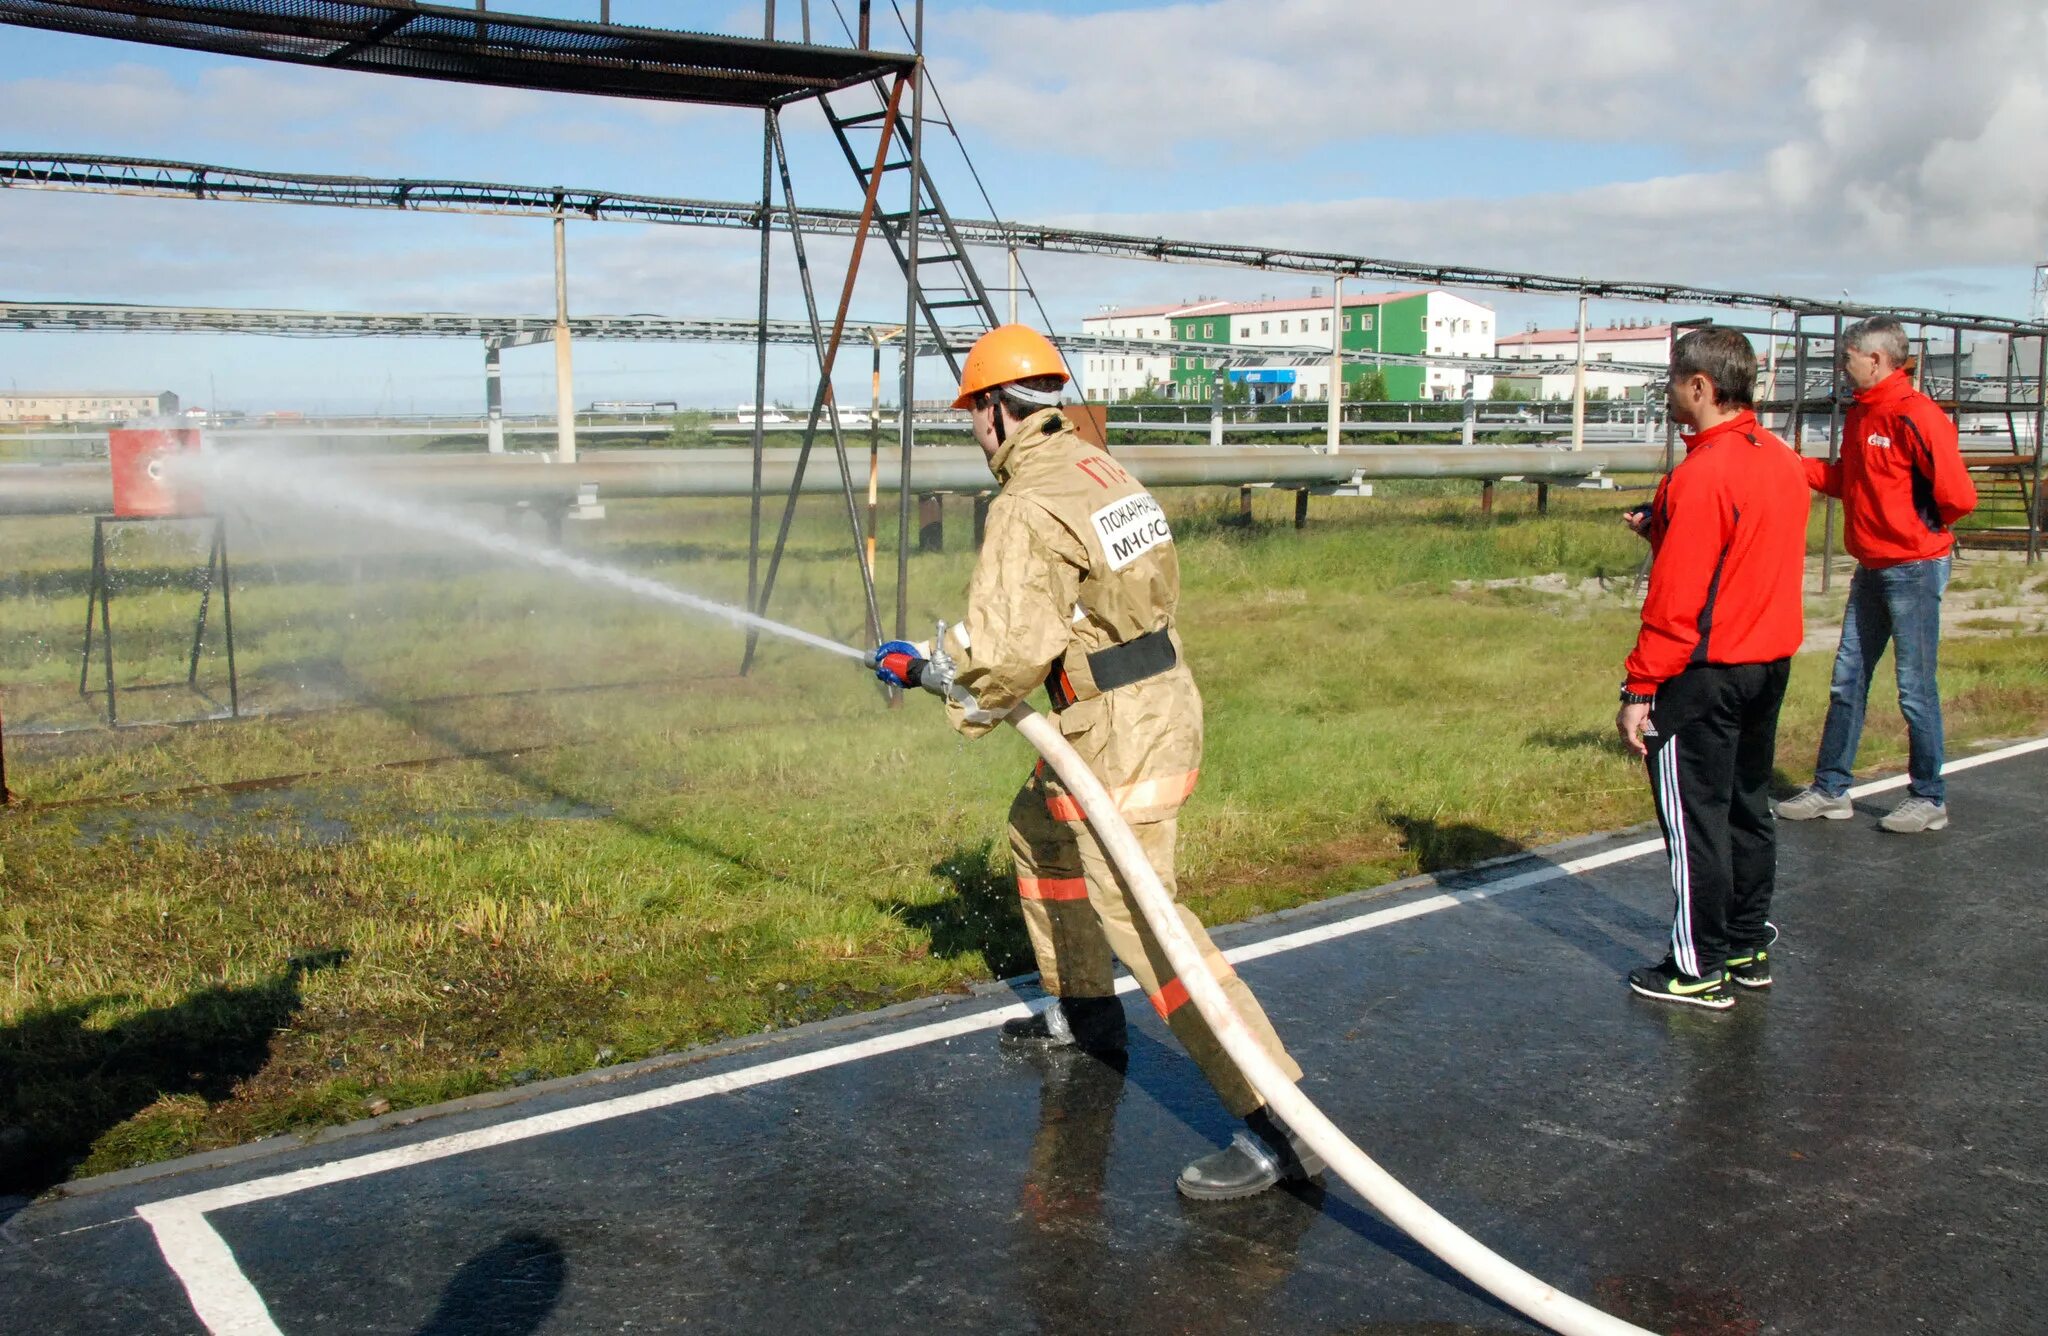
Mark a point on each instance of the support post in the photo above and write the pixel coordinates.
(1471, 411)
(1486, 498)
(92, 596)
(931, 523)
(227, 620)
(494, 397)
(1301, 507)
(908, 432)
(1827, 551)
(205, 601)
(1244, 505)
(1579, 383)
(761, 343)
(103, 588)
(1770, 361)
(1336, 365)
(565, 378)
(2035, 512)
(1217, 377)
(1542, 498)
(874, 450)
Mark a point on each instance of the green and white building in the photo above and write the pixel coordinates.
(1412, 324)
(1112, 377)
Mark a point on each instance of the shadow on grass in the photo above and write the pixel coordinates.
(64, 1083)
(979, 918)
(509, 1289)
(1441, 847)
(1575, 739)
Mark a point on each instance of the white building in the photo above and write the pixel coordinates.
(1109, 377)
(1648, 344)
(1280, 347)
(1415, 324)
(85, 405)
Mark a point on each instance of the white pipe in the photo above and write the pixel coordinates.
(1471, 1258)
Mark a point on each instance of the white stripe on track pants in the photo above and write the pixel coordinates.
(1710, 771)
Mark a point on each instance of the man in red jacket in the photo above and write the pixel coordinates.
(1902, 483)
(1702, 688)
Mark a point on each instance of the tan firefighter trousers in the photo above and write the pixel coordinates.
(1079, 914)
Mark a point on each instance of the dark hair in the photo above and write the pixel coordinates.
(1724, 357)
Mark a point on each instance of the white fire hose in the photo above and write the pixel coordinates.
(1471, 1258)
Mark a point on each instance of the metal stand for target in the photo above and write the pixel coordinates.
(100, 597)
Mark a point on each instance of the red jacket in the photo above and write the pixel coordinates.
(1901, 478)
(1728, 556)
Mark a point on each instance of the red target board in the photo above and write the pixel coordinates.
(143, 486)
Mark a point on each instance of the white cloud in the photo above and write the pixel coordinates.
(1886, 149)
(1853, 143)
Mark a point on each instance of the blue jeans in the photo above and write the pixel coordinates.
(1900, 604)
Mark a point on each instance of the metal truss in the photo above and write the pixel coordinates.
(164, 179)
(513, 331)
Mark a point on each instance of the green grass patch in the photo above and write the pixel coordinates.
(649, 852)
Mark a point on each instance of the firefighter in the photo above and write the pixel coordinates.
(1075, 590)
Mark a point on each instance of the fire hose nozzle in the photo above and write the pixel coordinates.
(939, 667)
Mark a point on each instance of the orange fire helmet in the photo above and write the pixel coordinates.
(1004, 354)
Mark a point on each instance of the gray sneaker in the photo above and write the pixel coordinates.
(1814, 801)
(1915, 815)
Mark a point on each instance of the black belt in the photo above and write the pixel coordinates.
(1145, 656)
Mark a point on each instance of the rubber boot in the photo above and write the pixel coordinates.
(1264, 1154)
(1091, 1024)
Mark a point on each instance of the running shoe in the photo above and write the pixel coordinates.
(1666, 983)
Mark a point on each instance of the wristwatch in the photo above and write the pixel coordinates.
(1637, 697)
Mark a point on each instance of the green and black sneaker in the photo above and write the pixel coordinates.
(1751, 966)
(1666, 983)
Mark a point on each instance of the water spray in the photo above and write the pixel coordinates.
(244, 476)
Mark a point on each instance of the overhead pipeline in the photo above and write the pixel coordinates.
(86, 487)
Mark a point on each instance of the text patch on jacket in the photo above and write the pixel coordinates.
(1129, 528)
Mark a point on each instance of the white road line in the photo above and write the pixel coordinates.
(221, 1295)
(229, 1305)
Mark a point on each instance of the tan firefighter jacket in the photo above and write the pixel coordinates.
(1078, 579)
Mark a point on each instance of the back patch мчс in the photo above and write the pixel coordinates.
(1130, 528)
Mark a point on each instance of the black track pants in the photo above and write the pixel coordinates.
(1710, 769)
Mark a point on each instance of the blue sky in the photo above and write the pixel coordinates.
(1750, 149)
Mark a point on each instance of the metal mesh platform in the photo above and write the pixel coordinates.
(472, 46)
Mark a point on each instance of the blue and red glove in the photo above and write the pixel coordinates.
(898, 663)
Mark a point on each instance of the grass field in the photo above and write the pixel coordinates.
(646, 851)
